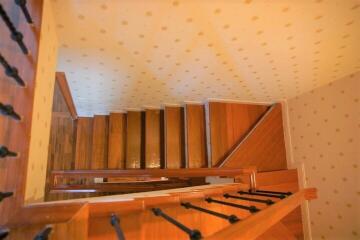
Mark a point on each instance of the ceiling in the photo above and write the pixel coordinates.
(120, 54)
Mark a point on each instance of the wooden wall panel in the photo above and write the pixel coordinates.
(117, 140)
(133, 140)
(61, 150)
(100, 142)
(174, 137)
(195, 136)
(153, 138)
(265, 147)
(229, 123)
(13, 134)
(83, 150)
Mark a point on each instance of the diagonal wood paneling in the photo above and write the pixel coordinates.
(100, 142)
(174, 137)
(264, 147)
(117, 140)
(229, 123)
(195, 136)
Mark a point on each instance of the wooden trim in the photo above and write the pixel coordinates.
(223, 162)
(152, 173)
(45, 213)
(65, 90)
(257, 224)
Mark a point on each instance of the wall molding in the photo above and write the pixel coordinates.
(65, 90)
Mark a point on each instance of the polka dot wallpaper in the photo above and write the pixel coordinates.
(43, 97)
(325, 135)
(120, 54)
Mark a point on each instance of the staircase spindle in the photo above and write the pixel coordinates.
(274, 192)
(4, 232)
(44, 233)
(251, 209)
(115, 222)
(262, 194)
(15, 34)
(22, 5)
(230, 218)
(5, 152)
(11, 71)
(193, 233)
(266, 201)
(8, 110)
(4, 195)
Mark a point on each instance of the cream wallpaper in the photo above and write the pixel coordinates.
(122, 54)
(325, 135)
(43, 96)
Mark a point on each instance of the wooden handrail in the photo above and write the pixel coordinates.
(260, 222)
(152, 173)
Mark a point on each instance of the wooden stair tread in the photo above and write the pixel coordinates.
(117, 140)
(134, 148)
(153, 138)
(174, 137)
(100, 142)
(196, 146)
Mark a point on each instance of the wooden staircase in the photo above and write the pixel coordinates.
(173, 137)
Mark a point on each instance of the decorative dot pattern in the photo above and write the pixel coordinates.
(127, 54)
(43, 98)
(325, 135)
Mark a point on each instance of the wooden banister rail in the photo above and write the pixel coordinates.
(259, 223)
(152, 173)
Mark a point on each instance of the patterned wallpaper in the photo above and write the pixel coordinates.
(325, 135)
(43, 96)
(122, 54)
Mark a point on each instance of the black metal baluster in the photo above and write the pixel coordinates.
(262, 194)
(274, 192)
(5, 152)
(193, 233)
(44, 233)
(4, 232)
(11, 71)
(267, 201)
(230, 218)
(22, 5)
(4, 195)
(15, 34)
(115, 222)
(251, 209)
(8, 110)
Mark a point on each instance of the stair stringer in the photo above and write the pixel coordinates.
(263, 146)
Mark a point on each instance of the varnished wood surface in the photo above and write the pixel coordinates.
(260, 222)
(16, 135)
(133, 140)
(76, 228)
(229, 123)
(83, 149)
(174, 137)
(62, 139)
(100, 142)
(117, 140)
(264, 147)
(188, 172)
(153, 138)
(195, 136)
(65, 90)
